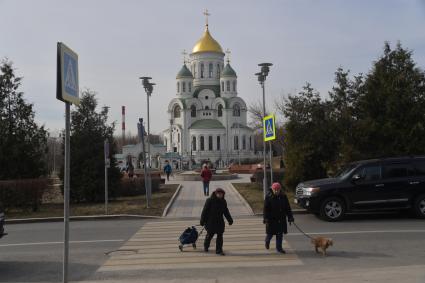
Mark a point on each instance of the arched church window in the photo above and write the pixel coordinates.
(220, 110)
(210, 143)
(210, 70)
(194, 70)
(243, 142)
(218, 143)
(193, 111)
(193, 143)
(218, 71)
(183, 87)
(178, 137)
(178, 87)
(202, 70)
(177, 111)
(202, 143)
(222, 86)
(227, 85)
(236, 143)
(250, 142)
(236, 110)
(234, 86)
(190, 87)
(207, 108)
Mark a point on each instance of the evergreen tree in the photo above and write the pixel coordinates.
(309, 142)
(391, 110)
(89, 129)
(23, 144)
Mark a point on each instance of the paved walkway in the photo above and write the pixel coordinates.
(155, 247)
(191, 199)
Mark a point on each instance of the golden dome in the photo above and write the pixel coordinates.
(207, 44)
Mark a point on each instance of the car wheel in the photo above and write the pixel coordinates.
(420, 206)
(332, 209)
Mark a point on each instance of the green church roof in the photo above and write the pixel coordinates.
(207, 124)
(184, 73)
(228, 71)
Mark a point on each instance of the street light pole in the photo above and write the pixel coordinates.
(262, 78)
(148, 86)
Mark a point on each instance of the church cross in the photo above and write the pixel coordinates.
(228, 55)
(184, 53)
(206, 16)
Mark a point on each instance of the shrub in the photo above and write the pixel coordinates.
(278, 176)
(136, 186)
(25, 194)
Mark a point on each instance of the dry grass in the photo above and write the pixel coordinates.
(253, 194)
(125, 205)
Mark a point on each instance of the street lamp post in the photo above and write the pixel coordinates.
(265, 68)
(148, 86)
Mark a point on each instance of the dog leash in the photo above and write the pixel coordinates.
(299, 229)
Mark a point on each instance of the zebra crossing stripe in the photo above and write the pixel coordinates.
(155, 247)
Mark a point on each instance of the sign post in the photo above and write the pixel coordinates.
(107, 165)
(67, 90)
(269, 130)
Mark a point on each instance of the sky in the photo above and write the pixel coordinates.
(119, 41)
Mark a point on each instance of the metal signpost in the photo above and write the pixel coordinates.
(141, 130)
(107, 165)
(269, 130)
(67, 90)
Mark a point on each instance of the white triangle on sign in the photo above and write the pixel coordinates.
(269, 129)
(70, 78)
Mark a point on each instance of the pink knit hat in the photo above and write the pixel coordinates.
(276, 186)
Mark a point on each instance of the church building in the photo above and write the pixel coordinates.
(207, 118)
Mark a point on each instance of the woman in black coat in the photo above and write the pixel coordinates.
(212, 218)
(276, 211)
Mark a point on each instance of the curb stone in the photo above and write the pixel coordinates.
(170, 203)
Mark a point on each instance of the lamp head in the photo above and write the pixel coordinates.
(260, 77)
(265, 68)
(145, 81)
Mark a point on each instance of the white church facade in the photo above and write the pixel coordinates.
(207, 118)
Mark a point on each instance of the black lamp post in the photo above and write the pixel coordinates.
(262, 75)
(148, 86)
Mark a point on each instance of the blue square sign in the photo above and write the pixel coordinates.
(67, 77)
(269, 128)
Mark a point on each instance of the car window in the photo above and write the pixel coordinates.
(345, 171)
(420, 168)
(371, 173)
(397, 170)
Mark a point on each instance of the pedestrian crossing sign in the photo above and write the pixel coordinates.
(67, 88)
(269, 128)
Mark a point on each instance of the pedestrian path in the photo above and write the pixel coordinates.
(191, 199)
(155, 247)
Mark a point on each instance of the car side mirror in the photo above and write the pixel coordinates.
(355, 177)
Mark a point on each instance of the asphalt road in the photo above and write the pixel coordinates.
(363, 246)
(33, 252)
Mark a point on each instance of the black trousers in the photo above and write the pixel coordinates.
(218, 242)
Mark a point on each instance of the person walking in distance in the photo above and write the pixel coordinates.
(167, 170)
(206, 176)
(276, 211)
(212, 217)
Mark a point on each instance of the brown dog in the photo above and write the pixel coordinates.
(322, 243)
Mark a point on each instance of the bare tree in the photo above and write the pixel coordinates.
(256, 115)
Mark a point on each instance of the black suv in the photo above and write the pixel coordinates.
(369, 185)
